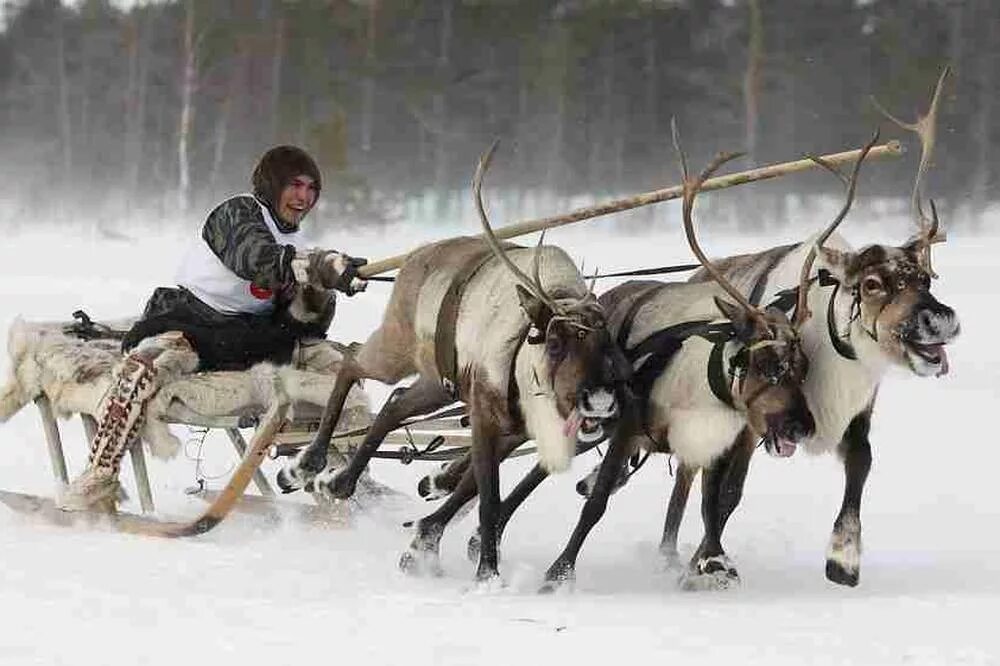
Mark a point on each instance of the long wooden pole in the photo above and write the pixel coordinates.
(890, 149)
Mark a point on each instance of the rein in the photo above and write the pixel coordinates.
(658, 270)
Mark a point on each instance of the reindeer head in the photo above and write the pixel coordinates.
(769, 371)
(894, 307)
(576, 361)
(893, 303)
(770, 366)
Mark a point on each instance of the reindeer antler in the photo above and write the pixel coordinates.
(925, 127)
(691, 188)
(534, 286)
(802, 308)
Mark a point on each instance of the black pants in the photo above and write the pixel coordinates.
(222, 341)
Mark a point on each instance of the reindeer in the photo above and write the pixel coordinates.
(687, 365)
(875, 310)
(530, 357)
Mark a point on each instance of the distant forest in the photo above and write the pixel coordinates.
(156, 111)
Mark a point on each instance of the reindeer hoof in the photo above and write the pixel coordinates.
(429, 489)
(300, 471)
(335, 485)
(489, 584)
(560, 576)
(710, 573)
(287, 481)
(420, 563)
(837, 573)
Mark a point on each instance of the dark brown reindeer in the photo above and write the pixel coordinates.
(697, 381)
(530, 356)
(875, 311)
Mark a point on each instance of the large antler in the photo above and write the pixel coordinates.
(802, 308)
(533, 286)
(691, 188)
(925, 127)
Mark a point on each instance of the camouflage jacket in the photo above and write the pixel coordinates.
(237, 234)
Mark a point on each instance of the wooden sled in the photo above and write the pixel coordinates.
(216, 511)
(274, 436)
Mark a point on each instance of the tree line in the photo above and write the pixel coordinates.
(157, 110)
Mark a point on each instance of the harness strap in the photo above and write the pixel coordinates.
(445, 350)
(718, 380)
(841, 345)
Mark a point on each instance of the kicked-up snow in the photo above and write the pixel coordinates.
(253, 593)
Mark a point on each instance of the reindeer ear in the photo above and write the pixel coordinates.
(537, 311)
(836, 261)
(736, 314)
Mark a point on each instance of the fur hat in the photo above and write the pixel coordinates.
(276, 169)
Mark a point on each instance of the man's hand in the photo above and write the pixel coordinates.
(332, 270)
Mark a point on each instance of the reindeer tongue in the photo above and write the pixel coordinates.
(572, 424)
(784, 448)
(944, 362)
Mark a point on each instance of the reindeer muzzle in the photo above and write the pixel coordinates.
(786, 430)
(924, 336)
(595, 413)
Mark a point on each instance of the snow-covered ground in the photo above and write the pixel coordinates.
(245, 594)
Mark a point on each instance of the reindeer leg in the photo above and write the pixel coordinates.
(423, 396)
(486, 469)
(722, 489)
(511, 503)
(675, 513)
(311, 460)
(443, 482)
(563, 569)
(843, 557)
(423, 555)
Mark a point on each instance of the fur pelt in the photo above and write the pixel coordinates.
(74, 374)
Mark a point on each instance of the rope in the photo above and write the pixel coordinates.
(659, 270)
(197, 437)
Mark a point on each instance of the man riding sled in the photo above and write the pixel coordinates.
(249, 290)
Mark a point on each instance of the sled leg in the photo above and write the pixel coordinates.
(53, 440)
(141, 475)
(259, 479)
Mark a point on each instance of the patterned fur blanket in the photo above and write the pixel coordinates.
(75, 373)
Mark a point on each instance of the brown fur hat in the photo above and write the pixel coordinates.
(277, 167)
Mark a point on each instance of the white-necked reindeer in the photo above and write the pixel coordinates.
(877, 311)
(530, 357)
(697, 381)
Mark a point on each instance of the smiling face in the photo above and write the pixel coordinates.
(895, 306)
(296, 200)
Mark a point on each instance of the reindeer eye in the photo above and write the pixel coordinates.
(581, 334)
(872, 284)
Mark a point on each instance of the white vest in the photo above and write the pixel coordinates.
(204, 275)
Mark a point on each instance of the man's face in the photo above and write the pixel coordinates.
(296, 200)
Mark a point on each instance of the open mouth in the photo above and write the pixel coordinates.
(778, 446)
(927, 356)
(584, 429)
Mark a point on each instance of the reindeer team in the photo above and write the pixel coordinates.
(700, 370)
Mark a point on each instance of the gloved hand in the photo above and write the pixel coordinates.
(349, 282)
(331, 270)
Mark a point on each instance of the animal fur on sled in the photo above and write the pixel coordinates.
(74, 374)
